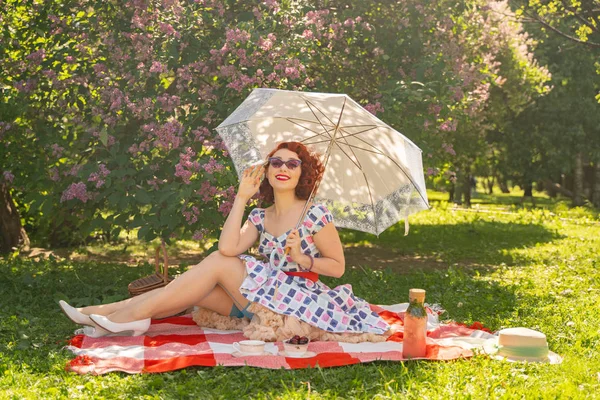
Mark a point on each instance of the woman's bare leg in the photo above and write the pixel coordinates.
(217, 300)
(189, 289)
(107, 309)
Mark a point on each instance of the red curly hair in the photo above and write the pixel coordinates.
(312, 172)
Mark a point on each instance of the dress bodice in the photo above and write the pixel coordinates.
(273, 247)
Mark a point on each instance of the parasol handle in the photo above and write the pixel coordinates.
(310, 199)
(302, 215)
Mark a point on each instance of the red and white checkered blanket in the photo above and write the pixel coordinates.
(177, 342)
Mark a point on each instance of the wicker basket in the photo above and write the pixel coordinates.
(156, 280)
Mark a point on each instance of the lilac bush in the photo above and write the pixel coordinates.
(109, 108)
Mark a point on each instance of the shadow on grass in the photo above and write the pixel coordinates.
(466, 294)
(125, 251)
(509, 199)
(474, 244)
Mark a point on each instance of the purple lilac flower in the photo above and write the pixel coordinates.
(76, 191)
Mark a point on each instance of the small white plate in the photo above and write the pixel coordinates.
(308, 354)
(240, 354)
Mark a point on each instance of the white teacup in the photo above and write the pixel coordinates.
(255, 347)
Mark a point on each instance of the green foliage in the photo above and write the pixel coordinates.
(108, 108)
(525, 268)
(573, 20)
(541, 141)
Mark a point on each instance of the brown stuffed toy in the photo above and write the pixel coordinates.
(272, 327)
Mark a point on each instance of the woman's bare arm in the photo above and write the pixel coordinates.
(233, 240)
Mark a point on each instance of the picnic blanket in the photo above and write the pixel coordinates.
(178, 342)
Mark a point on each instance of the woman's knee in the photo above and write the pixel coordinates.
(217, 255)
(219, 262)
(208, 259)
(227, 267)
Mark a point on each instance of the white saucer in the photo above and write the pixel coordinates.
(240, 354)
(308, 354)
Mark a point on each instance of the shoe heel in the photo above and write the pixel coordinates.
(142, 330)
(137, 328)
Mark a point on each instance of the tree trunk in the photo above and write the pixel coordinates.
(596, 192)
(490, 184)
(550, 189)
(528, 192)
(13, 234)
(467, 187)
(503, 185)
(467, 191)
(578, 181)
(458, 187)
(558, 188)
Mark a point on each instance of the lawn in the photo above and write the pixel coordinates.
(499, 263)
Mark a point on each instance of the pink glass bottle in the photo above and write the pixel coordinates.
(415, 326)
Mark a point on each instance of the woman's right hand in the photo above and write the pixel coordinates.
(250, 181)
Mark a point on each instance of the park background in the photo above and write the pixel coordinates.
(108, 150)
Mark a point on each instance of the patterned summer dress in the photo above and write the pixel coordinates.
(333, 310)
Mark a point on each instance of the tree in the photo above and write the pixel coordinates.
(11, 231)
(557, 133)
(575, 21)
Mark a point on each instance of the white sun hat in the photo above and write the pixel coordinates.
(521, 344)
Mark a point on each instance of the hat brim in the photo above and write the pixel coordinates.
(490, 347)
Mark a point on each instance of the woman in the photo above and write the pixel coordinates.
(227, 282)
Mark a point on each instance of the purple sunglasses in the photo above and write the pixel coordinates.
(278, 163)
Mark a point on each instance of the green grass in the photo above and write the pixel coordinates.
(515, 266)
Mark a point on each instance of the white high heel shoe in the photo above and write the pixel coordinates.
(137, 327)
(92, 332)
(82, 319)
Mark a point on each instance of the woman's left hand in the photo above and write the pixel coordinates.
(293, 243)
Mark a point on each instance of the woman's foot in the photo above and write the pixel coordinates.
(136, 327)
(79, 318)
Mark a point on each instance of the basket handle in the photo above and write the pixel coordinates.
(165, 271)
(156, 262)
(165, 261)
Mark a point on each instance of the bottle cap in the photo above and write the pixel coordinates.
(416, 295)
